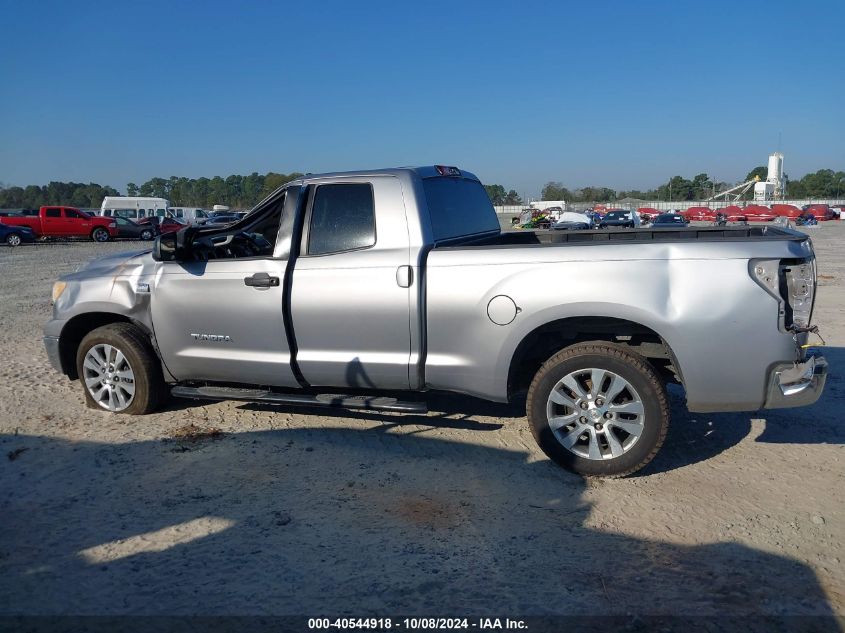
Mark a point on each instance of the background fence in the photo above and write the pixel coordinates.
(665, 205)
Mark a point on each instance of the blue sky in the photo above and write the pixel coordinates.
(620, 94)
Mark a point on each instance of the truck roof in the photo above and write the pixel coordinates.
(427, 171)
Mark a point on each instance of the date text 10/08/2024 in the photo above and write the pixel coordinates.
(416, 623)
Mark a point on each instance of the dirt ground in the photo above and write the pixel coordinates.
(456, 513)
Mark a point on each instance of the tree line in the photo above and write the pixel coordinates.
(74, 194)
(238, 192)
(243, 192)
(824, 183)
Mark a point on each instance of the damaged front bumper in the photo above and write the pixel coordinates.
(51, 344)
(796, 384)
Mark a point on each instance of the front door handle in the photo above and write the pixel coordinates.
(261, 280)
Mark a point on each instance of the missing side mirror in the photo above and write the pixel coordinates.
(164, 248)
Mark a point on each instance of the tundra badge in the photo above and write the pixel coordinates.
(214, 338)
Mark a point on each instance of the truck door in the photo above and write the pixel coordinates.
(76, 223)
(351, 286)
(52, 222)
(222, 319)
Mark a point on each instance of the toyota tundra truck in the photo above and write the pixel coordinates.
(368, 289)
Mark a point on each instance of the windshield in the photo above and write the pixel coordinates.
(458, 207)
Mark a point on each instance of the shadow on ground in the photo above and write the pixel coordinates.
(349, 522)
(692, 438)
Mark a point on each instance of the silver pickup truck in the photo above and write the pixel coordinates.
(357, 289)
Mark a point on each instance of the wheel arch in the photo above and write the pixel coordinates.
(80, 326)
(544, 341)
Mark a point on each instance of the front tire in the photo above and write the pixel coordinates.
(119, 370)
(598, 409)
(100, 235)
(146, 235)
(13, 239)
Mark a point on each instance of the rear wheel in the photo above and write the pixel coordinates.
(119, 371)
(598, 409)
(13, 239)
(100, 235)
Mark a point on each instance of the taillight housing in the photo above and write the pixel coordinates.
(793, 283)
(799, 280)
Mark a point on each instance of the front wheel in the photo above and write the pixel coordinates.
(146, 235)
(13, 239)
(598, 409)
(100, 235)
(119, 371)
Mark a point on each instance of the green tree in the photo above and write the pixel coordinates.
(678, 188)
(761, 172)
(594, 194)
(555, 191)
(702, 187)
(496, 193)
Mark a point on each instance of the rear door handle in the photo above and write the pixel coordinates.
(404, 276)
(261, 280)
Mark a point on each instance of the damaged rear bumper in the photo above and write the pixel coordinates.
(796, 384)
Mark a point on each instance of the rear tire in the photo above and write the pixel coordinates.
(100, 235)
(13, 239)
(609, 429)
(119, 371)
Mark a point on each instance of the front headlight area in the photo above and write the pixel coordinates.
(58, 289)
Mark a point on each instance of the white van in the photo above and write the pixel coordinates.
(189, 215)
(133, 208)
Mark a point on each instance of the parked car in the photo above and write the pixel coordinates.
(377, 283)
(220, 220)
(822, 212)
(16, 235)
(595, 217)
(163, 226)
(132, 230)
(620, 218)
(571, 221)
(674, 220)
(65, 222)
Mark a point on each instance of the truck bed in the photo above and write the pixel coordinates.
(509, 239)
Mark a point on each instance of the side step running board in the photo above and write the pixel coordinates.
(341, 401)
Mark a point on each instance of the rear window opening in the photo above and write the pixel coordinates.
(458, 207)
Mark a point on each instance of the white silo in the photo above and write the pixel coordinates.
(775, 175)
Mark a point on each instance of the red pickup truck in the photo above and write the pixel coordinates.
(65, 222)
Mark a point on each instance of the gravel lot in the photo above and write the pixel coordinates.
(308, 512)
